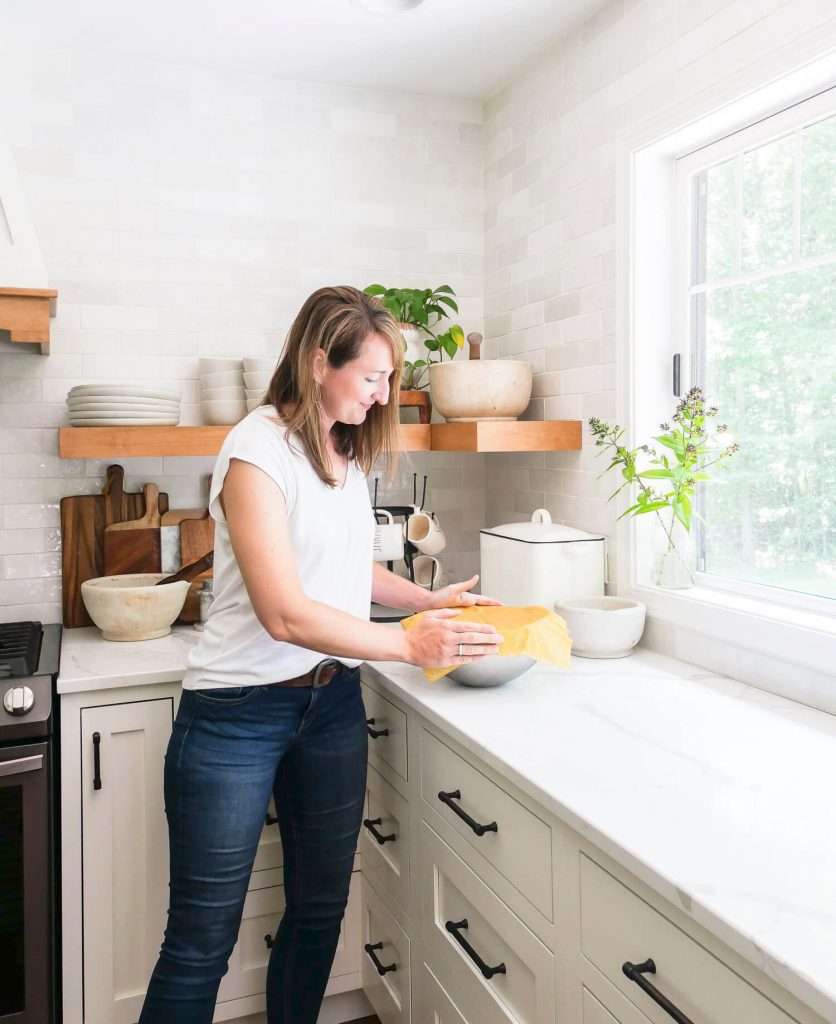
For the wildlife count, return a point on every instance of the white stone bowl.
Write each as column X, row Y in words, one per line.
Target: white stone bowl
column 217, row 412
column 218, row 364
column 603, row 627
column 131, row 607
column 235, row 391
column 224, row 379
column 257, row 380
column 254, row 364
column 464, row 390
column 492, row 670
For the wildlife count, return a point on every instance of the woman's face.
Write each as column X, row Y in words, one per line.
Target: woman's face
column 350, row 391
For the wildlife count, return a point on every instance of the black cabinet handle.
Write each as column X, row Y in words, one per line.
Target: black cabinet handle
column 270, row 819
column 374, row 733
column 480, row 830
column 636, row 972
column 97, row 761
column 455, row 928
column 677, row 384
column 268, row 941
column 381, row 968
column 370, row 825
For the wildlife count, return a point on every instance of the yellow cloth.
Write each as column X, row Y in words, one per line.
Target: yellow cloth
column 531, row 630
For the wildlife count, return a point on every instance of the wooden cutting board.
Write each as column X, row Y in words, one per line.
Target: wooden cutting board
column 134, row 546
column 83, row 521
column 197, row 537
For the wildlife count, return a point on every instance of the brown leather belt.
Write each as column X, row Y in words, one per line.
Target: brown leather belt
column 319, row 675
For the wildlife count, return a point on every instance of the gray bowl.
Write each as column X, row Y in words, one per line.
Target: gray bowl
column 494, row 670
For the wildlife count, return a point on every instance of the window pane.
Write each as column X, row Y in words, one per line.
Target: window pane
column 715, row 202
column 768, row 178
column 770, row 365
column 818, row 189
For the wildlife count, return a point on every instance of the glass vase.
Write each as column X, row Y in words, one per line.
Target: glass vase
column 674, row 557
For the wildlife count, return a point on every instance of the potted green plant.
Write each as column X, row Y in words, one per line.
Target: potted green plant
column 419, row 311
column 674, row 474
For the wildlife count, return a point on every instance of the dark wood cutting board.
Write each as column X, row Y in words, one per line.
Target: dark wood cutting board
column 83, row 521
column 134, row 546
column 197, row 537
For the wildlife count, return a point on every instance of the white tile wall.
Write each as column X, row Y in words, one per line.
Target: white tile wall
column 550, row 217
column 184, row 211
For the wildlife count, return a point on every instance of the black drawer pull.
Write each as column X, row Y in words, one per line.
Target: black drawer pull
column 374, row 733
column 635, row 972
column 270, row 819
column 480, row 830
column 97, row 761
column 454, row 928
column 381, row 968
column 268, row 941
column 370, row 825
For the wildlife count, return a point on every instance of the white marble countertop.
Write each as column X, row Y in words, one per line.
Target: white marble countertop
column 716, row 794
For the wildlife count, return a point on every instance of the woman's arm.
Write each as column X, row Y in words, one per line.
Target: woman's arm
column 256, row 516
column 397, row 592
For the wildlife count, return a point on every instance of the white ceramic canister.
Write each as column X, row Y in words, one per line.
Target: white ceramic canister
column 540, row 562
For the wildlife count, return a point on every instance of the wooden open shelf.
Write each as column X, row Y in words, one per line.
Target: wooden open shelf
column 507, row 436
column 483, row 436
column 131, row 442
column 25, row 314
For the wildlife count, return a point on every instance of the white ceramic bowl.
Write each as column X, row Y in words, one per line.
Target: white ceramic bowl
column 221, row 379
column 257, row 380
column 493, row 670
column 603, row 627
column 219, row 394
column 218, row 364
column 464, row 390
column 218, row 412
column 252, row 364
column 131, row 607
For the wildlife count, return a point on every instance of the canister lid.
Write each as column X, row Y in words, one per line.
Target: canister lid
column 541, row 530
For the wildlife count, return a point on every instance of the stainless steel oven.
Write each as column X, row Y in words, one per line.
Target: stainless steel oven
column 29, row 824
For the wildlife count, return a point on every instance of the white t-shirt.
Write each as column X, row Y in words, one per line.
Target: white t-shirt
column 332, row 530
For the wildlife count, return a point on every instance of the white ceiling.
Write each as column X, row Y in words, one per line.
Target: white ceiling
column 468, row 48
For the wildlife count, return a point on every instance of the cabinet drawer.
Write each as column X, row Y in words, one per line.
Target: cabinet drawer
column 389, row 748
column 456, row 902
column 617, row 926
column 594, row 1012
column 520, row 847
column 384, row 839
column 390, row 992
column 437, row 1007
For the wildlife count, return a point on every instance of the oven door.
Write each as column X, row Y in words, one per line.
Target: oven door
column 26, row 932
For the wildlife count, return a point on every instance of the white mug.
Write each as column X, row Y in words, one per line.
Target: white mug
column 428, row 571
column 388, row 539
column 424, row 532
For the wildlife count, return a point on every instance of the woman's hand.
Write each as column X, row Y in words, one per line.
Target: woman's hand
column 438, row 639
column 455, row 595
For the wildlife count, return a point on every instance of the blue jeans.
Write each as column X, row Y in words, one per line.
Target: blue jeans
column 229, row 750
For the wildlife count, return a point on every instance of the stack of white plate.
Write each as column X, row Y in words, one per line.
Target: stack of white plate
column 123, row 405
column 257, row 376
column 221, row 390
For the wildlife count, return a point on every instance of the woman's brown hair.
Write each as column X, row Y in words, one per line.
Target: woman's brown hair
column 337, row 319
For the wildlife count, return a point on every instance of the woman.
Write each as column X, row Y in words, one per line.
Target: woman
column 271, row 700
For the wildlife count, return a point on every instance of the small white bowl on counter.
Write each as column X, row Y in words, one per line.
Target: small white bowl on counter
column 603, row 627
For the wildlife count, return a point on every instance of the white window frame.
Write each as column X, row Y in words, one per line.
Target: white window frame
column 652, row 303
column 796, row 116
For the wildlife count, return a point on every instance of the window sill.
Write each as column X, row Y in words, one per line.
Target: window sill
column 793, row 635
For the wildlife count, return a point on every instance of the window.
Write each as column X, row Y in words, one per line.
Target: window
column 759, row 283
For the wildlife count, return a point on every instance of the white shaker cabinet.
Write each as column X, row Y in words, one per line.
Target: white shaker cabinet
column 491, row 910
column 115, row 869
